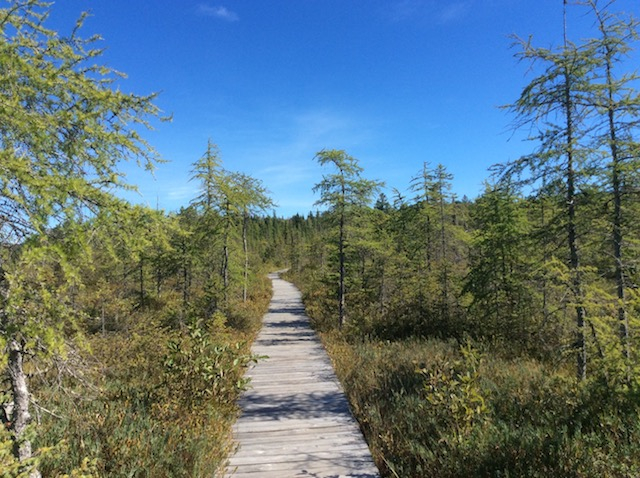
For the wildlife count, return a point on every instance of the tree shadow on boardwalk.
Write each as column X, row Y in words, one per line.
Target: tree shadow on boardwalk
column 289, row 310
column 300, row 405
column 305, row 474
column 279, row 332
column 297, row 326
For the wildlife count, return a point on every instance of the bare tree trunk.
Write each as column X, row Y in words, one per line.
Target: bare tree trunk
column 225, row 259
column 341, row 286
column 574, row 256
column 616, row 181
column 225, row 272
column 617, row 243
column 246, row 257
column 21, row 416
column 428, row 238
column 443, row 246
column 545, row 257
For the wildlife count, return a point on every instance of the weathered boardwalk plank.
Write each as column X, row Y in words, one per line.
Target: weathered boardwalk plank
column 295, row 418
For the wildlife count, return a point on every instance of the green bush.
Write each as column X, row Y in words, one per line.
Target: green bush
column 434, row 408
column 162, row 405
column 199, row 370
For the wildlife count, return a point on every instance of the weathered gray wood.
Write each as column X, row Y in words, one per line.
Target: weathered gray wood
column 295, row 418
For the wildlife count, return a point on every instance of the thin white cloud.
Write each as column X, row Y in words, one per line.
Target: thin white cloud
column 290, row 161
column 218, row 11
column 429, row 10
column 404, row 9
column 284, row 158
column 454, row 12
column 181, row 192
column 285, row 172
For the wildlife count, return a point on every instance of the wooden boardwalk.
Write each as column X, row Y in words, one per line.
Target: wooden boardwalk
column 295, row 418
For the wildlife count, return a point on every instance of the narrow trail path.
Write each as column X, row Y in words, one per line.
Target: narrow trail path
column 295, row 418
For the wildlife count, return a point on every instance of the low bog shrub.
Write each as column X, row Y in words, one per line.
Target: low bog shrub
column 434, row 408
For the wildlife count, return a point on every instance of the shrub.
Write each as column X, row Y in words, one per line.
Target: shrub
column 435, row 408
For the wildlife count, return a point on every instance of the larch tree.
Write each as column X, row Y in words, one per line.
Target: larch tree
column 63, row 133
column 431, row 187
column 555, row 107
column 343, row 192
column 422, row 185
column 208, row 172
column 229, row 198
column 618, row 104
column 441, row 188
column 253, row 198
column 498, row 279
column 210, row 204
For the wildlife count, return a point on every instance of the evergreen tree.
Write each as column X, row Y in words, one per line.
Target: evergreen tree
column 618, row 104
column 556, row 104
column 209, row 174
column 382, row 203
column 498, row 278
column 252, row 198
column 423, row 185
column 441, row 188
column 217, row 216
column 343, row 192
column 227, row 200
column 63, row 132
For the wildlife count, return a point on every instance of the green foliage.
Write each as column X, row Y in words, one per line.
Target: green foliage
column 209, row 173
column 87, row 469
column 467, row 413
column 226, row 203
column 152, row 399
column 37, row 309
column 344, row 189
column 453, row 393
column 346, row 195
column 500, row 268
column 64, row 128
column 64, row 132
column 198, row 370
column 155, row 397
column 164, row 408
column 134, row 325
column 10, row 466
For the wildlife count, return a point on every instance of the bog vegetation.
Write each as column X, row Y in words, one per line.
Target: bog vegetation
column 493, row 337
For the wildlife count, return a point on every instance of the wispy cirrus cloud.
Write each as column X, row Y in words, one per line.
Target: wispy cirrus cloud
column 282, row 152
column 454, row 11
column 403, row 9
column 441, row 12
column 218, row 11
column 303, row 134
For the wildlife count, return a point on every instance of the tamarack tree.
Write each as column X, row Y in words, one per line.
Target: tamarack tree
column 584, row 115
column 343, row 192
column 228, row 198
column 616, row 125
column 63, row 133
column 555, row 106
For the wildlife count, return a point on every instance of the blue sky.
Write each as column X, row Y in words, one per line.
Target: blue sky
column 271, row 82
